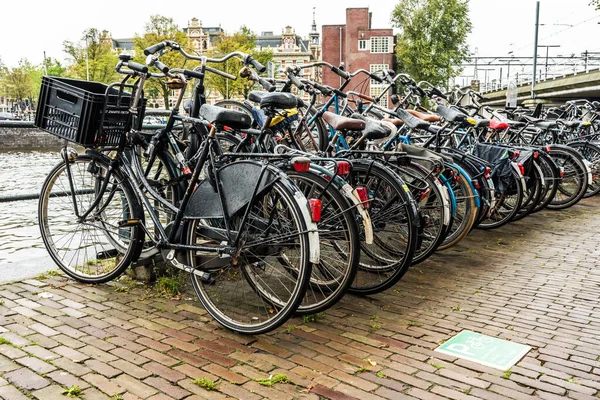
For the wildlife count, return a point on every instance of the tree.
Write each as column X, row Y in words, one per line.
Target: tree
column 93, row 53
column 22, row 82
column 243, row 40
column 595, row 3
column 53, row 67
column 432, row 43
column 159, row 29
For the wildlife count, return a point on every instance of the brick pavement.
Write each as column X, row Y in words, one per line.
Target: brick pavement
column 535, row 282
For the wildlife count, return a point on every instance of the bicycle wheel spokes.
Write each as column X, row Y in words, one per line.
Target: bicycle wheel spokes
column 97, row 248
column 256, row 289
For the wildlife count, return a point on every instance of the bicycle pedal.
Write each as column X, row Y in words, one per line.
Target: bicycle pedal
column 128, row 222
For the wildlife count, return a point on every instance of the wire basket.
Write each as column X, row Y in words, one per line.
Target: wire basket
column 84, row 112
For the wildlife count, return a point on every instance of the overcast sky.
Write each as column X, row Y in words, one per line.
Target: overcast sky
column 29, row 28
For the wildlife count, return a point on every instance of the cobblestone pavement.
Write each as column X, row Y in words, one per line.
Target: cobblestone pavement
column 536, row 282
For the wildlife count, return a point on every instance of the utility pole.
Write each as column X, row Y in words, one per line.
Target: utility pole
column 547, row 46
column 535, row 46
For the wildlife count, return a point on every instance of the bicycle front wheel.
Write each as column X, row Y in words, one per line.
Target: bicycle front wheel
column 257, row 289
column 97, row 248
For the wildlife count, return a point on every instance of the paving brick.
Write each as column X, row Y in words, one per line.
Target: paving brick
column 134, row 386
column 104, row 384
column 36, row 365
column 66, row 379
column 25, row 378
column 11, row 393
column 167, row 387
column 102, row 368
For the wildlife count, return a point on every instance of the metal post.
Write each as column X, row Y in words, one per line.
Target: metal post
column 87, row 56
column 535, row 46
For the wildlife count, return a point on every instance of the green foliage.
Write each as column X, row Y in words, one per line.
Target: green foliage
column 159, row 29
column 273, row 379
column 290, row 328
column 22, row 82
column 73, row 391
column 361, row 370
column 168, row 287
column 205, row 383
column 381, row 375
column 432, row 41
column 93, row 53
column 4, row 341
column 117, row 397
column 506, row 374
column 243, row 40
column 313, row 317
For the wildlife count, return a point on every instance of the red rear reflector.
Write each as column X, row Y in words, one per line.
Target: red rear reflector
column 516, row 155
column 521, row 168
column 424, row 194
column 315, row 209
column 363, row 195
column 343, row 168
column 187, row 171
column 301, row 164
column 536, row 154
column 562, row 172
column 548, row 149
column 476, row 184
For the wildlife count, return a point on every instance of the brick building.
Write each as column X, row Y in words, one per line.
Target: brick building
column 358, row 46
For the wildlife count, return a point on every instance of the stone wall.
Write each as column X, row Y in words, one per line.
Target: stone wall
column 25, row 136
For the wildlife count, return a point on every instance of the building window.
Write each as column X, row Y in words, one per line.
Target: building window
column 363, row 44
column 381, row 44
column 376, row 88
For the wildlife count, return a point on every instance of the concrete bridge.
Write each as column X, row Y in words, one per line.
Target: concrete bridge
column 583, row 85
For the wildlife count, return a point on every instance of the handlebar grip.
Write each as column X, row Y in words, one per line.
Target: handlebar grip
column 325, row 91
column 137, row 67
column 266, row 85
column 340, row 73
column 162, row 67
column 154, row 48
column 340, row 93
column 258, row 66
column 296, row 81
column 376, row 78
column 192, row 74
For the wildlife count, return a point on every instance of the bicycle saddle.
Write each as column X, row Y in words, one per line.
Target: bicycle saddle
column 373, row 129
column 411, row 121
column 223, row 116
column 539, row 123
column 450, row 114
column 276, row 99
column 339, row 122
column 424, row 116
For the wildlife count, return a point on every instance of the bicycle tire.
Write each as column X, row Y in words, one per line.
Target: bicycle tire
column 591, row 153
column 395, row 222
column 97, row 249
column 340, row 248
column 573, row 184
column 236, row 295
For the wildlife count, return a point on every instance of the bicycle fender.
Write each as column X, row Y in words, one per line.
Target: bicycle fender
column 445, row 201
column 239, row 183
column 521, row 177
column 311, row 227
column 348, row 192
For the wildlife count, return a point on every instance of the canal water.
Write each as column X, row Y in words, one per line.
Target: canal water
column 22, row 252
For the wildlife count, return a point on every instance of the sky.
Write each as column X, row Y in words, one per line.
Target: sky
column 499, row 26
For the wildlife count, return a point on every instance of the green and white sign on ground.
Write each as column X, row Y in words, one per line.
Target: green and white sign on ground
column 485, row 350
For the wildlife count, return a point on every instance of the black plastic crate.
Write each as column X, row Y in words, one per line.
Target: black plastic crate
column 75, row 110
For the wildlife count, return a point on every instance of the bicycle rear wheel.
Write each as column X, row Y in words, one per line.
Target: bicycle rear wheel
column 340, row 248
column 395, row 221
column 96, row 249
column 257, row 289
